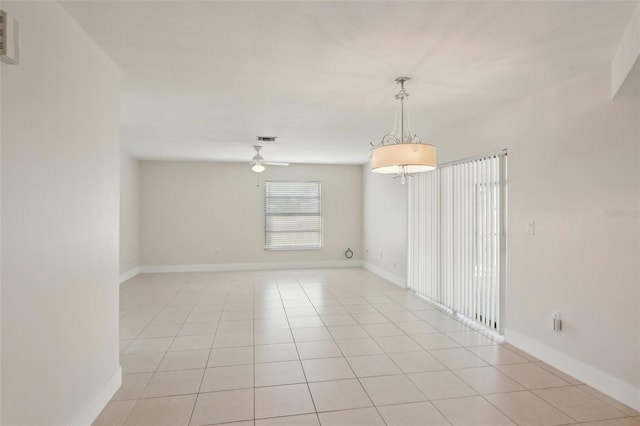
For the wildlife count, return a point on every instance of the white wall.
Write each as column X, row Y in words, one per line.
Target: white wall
column 59, row 167
column 190, row 209
column 573, row 169
column 384, row 225
column 129, row 215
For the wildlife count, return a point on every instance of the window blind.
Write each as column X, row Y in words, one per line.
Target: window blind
column 292, row 215
column 457, row 237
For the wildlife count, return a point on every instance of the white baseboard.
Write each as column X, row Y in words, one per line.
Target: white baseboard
column 125, row 276
column 99, row 400
column 215, row 267
column 397, row 280
column 598, row 379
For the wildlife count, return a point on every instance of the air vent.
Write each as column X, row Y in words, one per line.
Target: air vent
column 266, row 138
column 3, row 32
column 8, row 39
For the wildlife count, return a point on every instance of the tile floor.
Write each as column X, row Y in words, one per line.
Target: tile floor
column 324, row 347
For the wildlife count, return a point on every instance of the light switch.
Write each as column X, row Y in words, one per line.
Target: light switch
column 531, row 228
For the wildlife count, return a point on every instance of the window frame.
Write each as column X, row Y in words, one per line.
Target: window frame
column 320, row 231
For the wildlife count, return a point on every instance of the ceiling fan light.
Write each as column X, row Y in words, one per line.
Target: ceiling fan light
column 258, row 168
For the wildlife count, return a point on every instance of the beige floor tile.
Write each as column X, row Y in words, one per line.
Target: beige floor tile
column 348, row 332
column 327, row 369
column 527, row 409
column 320, row 349
column 233, row 340
column 414, row 414
column 191, row 343
column 448, row 325
column 301, row 311
column 237, row 326
column 564, row 376
column 130, row 333
column 441, row 384
column 373, row 365
column 401, row 316
column 311, row 334
column 361, row 309
column 271, row 324
column 416, row 362
column 431, row 341
column 279, row 401
column 123, row 343
column 302, row 420
column 168, row 383
column 391, row 344
column 626, row 421
column 157, row 344
column 227, row 378
column 386, row 390
column 195, row 317
column 457, row 358
column 471, row 411
column 497, row 355
column 279, row 373
column 337, row 320
column 488, row 380
column 330, row 310
column 275, row 353
column 339, row 395
column 370, row 318
column 520, row 352
column 354, row 347
column 616, row 404
column 167, row 411
column 223, row 407
column 431, row 315
column 184, row 360
column 382, row 330
column 270, row 337
column 357, row 417
column 160, row 331
column 470, row 338
column 531, row 376
column 207, row 307
column 416, row 327
column 132, row 386
column 578, row 404
column 198, row 329
column 140, row 362
column 115, row 413
column 231, row 356
column 305, row 322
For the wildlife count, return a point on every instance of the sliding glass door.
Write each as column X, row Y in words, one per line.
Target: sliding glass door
column 457, row 237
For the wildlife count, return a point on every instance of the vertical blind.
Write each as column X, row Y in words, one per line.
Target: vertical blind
column 457, row 230
column 292, row 215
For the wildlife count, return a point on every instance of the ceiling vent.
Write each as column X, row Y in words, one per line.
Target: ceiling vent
column 266, row 138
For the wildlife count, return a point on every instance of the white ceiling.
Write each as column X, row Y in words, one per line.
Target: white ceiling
column 201, row 79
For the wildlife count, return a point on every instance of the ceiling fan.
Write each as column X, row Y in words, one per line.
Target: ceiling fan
column 259, row 163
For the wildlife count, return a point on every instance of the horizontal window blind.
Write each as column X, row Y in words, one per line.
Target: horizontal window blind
column 292, row 215
column 457, row 237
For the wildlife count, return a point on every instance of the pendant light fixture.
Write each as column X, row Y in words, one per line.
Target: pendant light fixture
column 401, row 152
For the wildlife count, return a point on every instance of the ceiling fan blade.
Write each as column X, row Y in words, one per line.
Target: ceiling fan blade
column 268, row 163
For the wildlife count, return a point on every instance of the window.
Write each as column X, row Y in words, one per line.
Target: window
column 292, row 215
column 457, row 237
